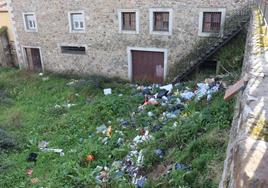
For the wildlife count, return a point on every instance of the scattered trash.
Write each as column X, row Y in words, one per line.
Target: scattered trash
column 120, row 95
column 101, row 129
column 162, row 93
column 150, row 101
column 109, row 131
column 175, row 125
column 180, row 166
column 41, row 74
column 157, row 128
column 140, row 182
column 117, row 164
column 142, row 131
column 105, row 140
column 34, row 180
column 72, row 82
column 171, row 104
column 120, row 141
column 45, row 78
column 119, row 174
column 146, row 91
column 168, row 88
column 107, row 91
column 103, row 176
column 124, row 122
column 68, row 105
column 29, row 172
column 150, row 114
column 32, row 157
column 90, row 157
column 43, row 144
column 187, row 95
column 59, row 151
column 234, row 89
column 159, row 153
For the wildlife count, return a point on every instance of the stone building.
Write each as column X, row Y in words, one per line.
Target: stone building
column 134, row 40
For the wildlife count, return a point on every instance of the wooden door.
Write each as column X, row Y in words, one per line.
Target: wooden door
column 34, row 59
column 148, row 66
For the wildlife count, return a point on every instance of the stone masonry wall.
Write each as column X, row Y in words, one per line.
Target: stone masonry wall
column 247, row 153
column 106, row 47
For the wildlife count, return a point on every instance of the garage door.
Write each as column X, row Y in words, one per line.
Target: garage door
column 147, row 66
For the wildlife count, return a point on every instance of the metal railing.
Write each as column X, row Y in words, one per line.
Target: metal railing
column 263, row 6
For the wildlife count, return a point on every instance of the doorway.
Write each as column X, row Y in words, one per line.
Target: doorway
column 33, row 59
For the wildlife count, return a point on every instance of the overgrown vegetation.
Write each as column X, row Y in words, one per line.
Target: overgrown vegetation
column 232, row 55
column 29, row 114
column 229, row 58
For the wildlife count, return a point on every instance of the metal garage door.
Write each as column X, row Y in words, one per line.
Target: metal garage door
column 148, row 66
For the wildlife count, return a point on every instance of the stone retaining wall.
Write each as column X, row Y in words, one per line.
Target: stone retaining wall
column 247, row 153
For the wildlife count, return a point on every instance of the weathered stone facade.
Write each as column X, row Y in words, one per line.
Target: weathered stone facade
column 106, row 51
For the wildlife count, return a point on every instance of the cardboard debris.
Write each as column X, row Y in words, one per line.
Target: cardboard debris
column 234, row 89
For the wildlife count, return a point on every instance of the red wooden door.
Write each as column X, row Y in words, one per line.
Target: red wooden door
column 148, row 66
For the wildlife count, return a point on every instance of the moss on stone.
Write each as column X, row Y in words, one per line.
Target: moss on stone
column 259, row 130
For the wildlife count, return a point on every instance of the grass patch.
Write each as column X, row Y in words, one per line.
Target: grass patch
column 41, row 110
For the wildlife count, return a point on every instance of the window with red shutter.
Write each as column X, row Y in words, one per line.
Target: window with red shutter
column 212, row 22
column 161, row 21
column 129, row 21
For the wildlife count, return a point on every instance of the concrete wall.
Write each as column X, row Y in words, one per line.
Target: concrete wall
column 106, row 47
column 247, row 153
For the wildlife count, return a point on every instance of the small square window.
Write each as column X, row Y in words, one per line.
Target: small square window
column 77, row 21
column 129, row 21
column 30, row 22
column 161, row 21
column 212, row 22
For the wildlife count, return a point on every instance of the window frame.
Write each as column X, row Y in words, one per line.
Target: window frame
column 60, row 45
column 201, row 33
column 25, row 21
column 71, row 28
column 120, row 20
column 152, row 11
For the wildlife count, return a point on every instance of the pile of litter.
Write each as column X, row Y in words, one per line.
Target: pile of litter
column 168, row 97
column 171, row 99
